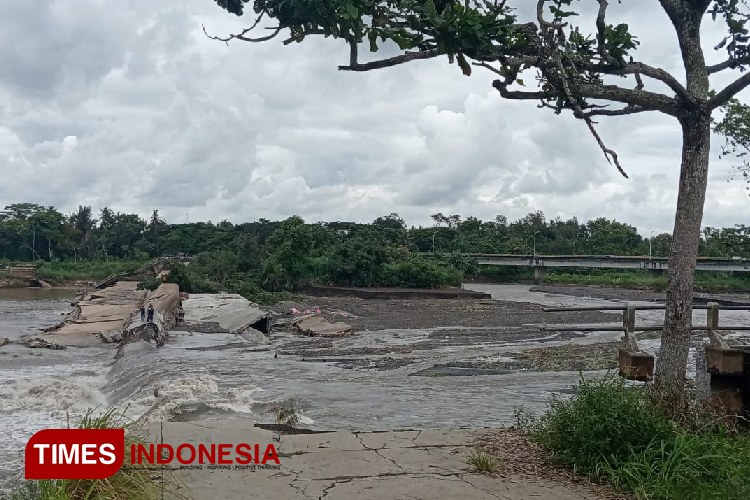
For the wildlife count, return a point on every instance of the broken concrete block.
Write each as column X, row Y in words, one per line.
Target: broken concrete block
column 636, row 365
column 722, row 361
column 318, row 326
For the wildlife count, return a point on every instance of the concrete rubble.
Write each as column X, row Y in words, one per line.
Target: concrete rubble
column 312, row 321
column 37, row 343
column 319, row 326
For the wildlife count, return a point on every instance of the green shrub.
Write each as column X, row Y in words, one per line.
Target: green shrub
column 89, row 270
column 418, row 272
column 149, row 284
column 604, row 420
column 618, row 434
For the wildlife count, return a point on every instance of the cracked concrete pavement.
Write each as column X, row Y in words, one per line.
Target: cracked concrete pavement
column 398, row 464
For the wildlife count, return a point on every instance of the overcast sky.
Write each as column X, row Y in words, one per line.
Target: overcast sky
column 128, row 105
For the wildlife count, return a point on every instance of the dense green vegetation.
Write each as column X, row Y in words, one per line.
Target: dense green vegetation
column 259, row 257
column 618, row 434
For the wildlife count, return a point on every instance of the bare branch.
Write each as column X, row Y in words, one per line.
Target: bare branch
column 634, row 97
column 392, row 61
column 300, row 38
column 729, row 91
column 627, row 110
column 655, row 73
column 600, row 29
column 609, row 154
column 242, row 35
column 522, row 95
column 729, row 63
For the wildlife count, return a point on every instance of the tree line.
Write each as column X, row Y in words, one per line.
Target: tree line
column 282, row 255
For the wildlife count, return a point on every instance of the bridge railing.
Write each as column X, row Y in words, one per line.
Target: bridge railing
column 635, row 364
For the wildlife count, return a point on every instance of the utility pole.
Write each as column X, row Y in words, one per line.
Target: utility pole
column 433, row 241
column 649, row 245
column 535, row 233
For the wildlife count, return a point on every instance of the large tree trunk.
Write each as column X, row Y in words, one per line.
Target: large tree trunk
column 673, row 356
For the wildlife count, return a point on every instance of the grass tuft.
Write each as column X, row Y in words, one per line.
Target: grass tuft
column 482, row 461
column 131, row 482
column 288, row 413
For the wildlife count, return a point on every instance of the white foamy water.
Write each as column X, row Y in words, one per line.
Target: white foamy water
column 42, row 397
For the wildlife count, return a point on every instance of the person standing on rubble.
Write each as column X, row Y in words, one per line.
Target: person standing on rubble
column 150, row 313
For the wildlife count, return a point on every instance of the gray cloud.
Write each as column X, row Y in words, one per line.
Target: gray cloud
column 129, row 105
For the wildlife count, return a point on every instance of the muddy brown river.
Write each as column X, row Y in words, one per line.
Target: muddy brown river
column 410, row 364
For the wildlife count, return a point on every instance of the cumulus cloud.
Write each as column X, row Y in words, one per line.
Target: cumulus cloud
column 129, row 105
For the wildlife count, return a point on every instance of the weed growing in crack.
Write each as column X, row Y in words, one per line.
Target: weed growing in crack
column 483, row 461
column 288, row 413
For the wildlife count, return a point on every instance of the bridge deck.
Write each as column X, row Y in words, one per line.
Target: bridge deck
column 607, row 262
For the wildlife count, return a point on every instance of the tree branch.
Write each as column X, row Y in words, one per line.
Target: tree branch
column 729, row 63
column 522, row 95
column 655, row 73
column 609, row 154
column 627, row 110
column 242, row 35
column 633, row 97
column 729, row 91
column 392, row 61
column 600, row 29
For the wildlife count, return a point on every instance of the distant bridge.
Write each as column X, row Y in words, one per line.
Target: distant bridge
column 540, row 263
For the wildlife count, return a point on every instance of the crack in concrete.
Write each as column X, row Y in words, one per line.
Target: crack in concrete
column 377, row 452
column 301, row 490
column 462, row 478
column 414, row 439
column 349, row 479
column 332, row 486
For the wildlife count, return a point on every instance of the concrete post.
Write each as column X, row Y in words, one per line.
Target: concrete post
column 539, row 273
column 712, row 323
column 634, row 364
column 628, row 323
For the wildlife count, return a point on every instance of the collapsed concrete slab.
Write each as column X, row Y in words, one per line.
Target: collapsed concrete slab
column 97, row 316
column 224, row 313
column 167, row 308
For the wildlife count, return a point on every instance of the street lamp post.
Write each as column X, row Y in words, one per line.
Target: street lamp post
column 535, row 233
column 649, row 245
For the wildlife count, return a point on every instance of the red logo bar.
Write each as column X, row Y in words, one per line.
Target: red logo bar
column 74, row 453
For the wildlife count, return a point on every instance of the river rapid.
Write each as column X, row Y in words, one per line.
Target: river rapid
column 203, row 376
